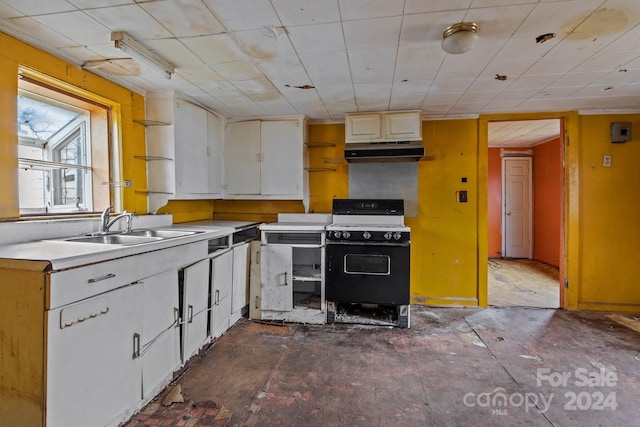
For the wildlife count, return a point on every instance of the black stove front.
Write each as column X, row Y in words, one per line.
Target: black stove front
column 368, row 263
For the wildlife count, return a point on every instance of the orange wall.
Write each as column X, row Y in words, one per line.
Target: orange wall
column 494, row 203
column 547, row 202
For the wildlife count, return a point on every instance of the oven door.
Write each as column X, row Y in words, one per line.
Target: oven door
column 370, row 273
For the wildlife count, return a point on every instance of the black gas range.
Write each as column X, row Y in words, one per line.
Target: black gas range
column 368, row 254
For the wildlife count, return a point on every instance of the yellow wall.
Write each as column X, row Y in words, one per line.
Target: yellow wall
column 601, row 209
column 609, row 223
column 126, row 105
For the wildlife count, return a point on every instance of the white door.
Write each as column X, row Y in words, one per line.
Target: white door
column 195, row 307
column 92, row 375
column 160, row 335
column 242, row 158
column 517, row 219
column 281, row 168
column 221, row 284
column 276, row 278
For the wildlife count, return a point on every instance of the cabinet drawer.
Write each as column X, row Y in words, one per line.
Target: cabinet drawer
column 64, row 287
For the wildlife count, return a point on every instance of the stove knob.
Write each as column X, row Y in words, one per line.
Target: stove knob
column 346, row 234
column 366, row 235
column 337, row 234
column 397, row 236
column 387, row 236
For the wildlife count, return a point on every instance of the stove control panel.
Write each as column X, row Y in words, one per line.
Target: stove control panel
column 369, row 236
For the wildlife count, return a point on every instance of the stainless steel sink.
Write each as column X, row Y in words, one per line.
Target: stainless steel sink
column 114, row 239
column 163, row 234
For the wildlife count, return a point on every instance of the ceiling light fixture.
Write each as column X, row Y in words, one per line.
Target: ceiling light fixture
column 124, row 42
column 460, row 38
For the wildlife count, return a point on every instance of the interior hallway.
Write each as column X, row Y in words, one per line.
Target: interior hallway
column 524, row 283
column 436, row 373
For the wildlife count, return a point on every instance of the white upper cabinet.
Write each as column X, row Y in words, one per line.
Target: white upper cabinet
column 383, row 127
column 184, row 150
column 363, row 127
column 266, row 159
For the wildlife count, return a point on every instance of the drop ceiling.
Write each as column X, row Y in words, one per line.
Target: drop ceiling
column 523, row 133
column 324, row 58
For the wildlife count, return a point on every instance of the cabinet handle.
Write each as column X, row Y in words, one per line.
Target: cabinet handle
column 256, row 301
column 190, row 311
column 217, row 299
column 136, row 345
column 285, row 279
column 101, row 278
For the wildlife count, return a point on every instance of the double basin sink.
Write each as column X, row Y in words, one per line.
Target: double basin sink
column 134, row 237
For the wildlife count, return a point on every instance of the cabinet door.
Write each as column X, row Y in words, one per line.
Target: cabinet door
column 191, row 156
column 221, row 285
column 403, row 126
column 276, row 278
column 282, row 163
column 242, row 156
column 92, row 375
column 195, row 307
column 160, row 335
column 363, row 127
column 215, row 136
column 240, row 277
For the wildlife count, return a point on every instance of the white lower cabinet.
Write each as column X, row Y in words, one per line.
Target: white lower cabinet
column 93, row 376
column 159, row 338
column 291, row 286
column 221, row 288
column 195, row 291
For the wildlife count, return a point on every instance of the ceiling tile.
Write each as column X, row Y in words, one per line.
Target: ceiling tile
column 92, row 4
column 317, row 38
column 305, row 12
column 421, row 6
column 239, row 15
column 131, row 19
column 184, row 18
column 415, row 63
column 173, row 51
column 31, row 30
column 235, row 71
column 372, row 33
column 9, row 12
column 214, row 49
column 427, row 27
column 372, row 66
column 76, row 26
column 560, row 18
column 327, row 68
column 367, row 9
column 499, row 22
column 39, row 7
column 198, row 73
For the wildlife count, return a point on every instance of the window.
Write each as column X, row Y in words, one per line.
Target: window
column 63, row 151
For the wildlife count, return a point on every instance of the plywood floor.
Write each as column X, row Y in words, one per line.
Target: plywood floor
column 523, row 282
column 454, row 367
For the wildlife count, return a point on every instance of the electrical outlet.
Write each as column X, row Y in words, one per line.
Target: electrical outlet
column 606, row 160
column 462, row 196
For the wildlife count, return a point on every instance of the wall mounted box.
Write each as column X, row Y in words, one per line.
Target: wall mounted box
column 620, row 132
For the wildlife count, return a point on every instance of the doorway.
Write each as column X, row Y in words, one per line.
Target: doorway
column 525, row 211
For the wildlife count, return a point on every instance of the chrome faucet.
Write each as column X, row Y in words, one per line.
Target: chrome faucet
column 106, row 221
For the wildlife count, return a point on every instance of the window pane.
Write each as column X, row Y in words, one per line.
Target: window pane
column 41, row 120
column 32, row 182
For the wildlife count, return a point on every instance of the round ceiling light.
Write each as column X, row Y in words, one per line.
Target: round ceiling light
column 460, row 37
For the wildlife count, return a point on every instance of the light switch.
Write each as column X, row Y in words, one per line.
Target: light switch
column 606, row 160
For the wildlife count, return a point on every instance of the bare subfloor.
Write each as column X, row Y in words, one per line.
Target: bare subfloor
column 454, row 367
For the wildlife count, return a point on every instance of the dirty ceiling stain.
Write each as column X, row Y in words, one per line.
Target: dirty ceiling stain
column 601, row 22
column 302, row 86
column 259, row 54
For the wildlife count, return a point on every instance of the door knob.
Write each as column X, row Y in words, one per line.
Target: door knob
column 508, row 213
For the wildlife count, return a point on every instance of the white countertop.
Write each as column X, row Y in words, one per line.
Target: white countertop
column 63, row 254
column 293, row 226
column 237, row 225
